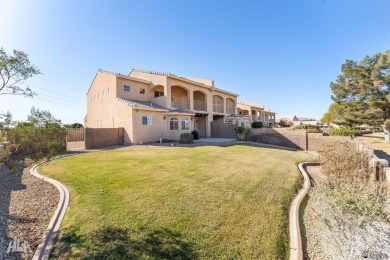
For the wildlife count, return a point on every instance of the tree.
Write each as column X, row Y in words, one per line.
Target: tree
column 5, row 123
column 362, row 92
column 74, row 125
column 14, row 70
column 41, row 136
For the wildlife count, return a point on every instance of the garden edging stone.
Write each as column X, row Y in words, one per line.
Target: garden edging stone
column 49, row 236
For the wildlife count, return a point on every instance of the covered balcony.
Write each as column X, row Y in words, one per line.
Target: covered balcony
column 179, row 97
column 230, row 106
column 200, row 101
column 218, row 106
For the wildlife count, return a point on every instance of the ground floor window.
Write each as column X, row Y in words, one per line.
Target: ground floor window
column 173, row 124
column 185, row 124
column 147, row 120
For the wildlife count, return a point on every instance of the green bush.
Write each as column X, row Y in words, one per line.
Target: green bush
column 257, row 124
column 186, row 138
column 342, row 132
column 313, row 130
column 38, row 142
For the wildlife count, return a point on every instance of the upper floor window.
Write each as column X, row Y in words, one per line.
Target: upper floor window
column 126, row 88
column 185, row 124
column 147, row 120
column 173, row 124
column 158, row 93
column 142, row 91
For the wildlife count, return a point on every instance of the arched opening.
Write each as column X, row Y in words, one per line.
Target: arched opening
column 158, row 91
column 230, row 106
column 218, row 104
column 200, row 101
column 179, row 97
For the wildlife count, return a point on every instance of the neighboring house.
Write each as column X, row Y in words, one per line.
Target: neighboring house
column 299, row 121
column 151, row 105
column 255, row 112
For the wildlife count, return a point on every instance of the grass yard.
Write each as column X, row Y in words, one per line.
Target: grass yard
column 376, row 141
column 203, row 202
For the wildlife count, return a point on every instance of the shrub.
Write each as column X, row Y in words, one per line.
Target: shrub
column 38, row 142
column 342, row 132
column 186, row 138
column 342, row 162
column 257, row 124
column 313, row 130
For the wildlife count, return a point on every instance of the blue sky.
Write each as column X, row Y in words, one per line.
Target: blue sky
column 282, row 54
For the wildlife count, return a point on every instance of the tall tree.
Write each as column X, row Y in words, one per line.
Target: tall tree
column 362, row 90
column 14, row 70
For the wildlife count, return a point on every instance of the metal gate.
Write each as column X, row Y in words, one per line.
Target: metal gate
column 75, row 140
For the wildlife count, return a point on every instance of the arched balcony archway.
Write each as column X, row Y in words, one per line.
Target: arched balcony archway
column 200, row 102
column 218, row 106
column 230, row 106
column 179, row 97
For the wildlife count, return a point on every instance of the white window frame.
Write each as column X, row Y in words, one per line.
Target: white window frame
column 126, row 87
column 185, row 124
column 173, row 120
column 149, row 120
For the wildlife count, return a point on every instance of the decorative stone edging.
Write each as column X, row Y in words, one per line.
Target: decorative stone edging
column 296, row 251
column 44, row 248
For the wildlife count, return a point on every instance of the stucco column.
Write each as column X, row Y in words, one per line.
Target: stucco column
column 191, row 99
column 167, row 93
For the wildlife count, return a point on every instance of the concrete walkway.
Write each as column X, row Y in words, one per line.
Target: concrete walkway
column 214, row 140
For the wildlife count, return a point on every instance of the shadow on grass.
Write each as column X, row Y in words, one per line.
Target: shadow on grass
column 120, row 243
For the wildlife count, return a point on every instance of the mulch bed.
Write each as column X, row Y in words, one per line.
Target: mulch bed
column 26, row 206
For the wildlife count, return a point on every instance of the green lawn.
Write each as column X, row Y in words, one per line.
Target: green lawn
column 178, row 203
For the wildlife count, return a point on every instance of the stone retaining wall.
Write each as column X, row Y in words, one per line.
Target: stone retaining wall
column 222, row 130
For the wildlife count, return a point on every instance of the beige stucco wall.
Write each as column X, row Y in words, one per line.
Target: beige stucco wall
column 135, row 88
column 101, row 101
column 159, row 128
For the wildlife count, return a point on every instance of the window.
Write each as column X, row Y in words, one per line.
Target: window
column 185, row 124
column 158, row 94
column 142, row 91
column 242, row 124
column 173, row 124
column 126, row 88
column 147, row 120
column 108, row 90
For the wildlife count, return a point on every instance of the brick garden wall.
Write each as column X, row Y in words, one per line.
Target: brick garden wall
column 316, row 141
column 297, row 138
column 222, row 130
column 103, row 137
column 279, row 136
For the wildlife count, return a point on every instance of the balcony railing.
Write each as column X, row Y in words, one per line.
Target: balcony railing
column 230, row 110
column 180, row 102
column 200, row 105
column 218, row 108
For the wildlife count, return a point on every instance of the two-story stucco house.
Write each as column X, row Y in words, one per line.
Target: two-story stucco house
column 151, row 105
column 256, row 112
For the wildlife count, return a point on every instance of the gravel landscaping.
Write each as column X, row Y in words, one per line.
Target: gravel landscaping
column 329, row 235
column 26, row 206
